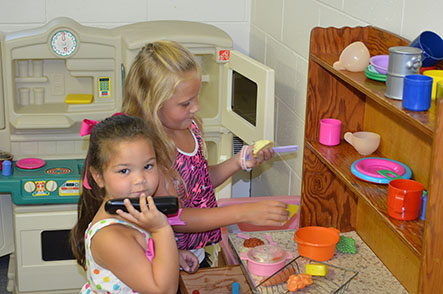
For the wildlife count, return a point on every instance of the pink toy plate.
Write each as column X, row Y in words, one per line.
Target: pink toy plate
column 380, row 170
column 371, row 166
column 30, row 163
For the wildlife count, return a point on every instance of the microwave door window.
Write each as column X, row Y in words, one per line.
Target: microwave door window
column 244, row 97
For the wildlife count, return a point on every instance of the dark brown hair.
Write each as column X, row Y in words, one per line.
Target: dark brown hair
column 104, row 137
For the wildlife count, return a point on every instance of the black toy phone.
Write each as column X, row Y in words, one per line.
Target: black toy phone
column 165, row 204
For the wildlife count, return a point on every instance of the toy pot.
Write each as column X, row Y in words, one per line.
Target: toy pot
column 265, row 260
column 317, row 243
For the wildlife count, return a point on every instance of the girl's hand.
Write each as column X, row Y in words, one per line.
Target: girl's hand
column 149, row 218
column 266, row 213
column 262, row 155
column 188, row 261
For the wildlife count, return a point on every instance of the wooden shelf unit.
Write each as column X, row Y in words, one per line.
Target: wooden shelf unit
column 332, row 196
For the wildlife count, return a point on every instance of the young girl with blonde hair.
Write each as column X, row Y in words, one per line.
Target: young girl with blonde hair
column 162, row 87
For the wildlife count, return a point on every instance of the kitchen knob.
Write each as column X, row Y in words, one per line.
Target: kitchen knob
column 29, row 187
column 51, row 186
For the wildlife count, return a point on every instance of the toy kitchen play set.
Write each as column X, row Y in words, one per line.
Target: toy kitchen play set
column 56, row 75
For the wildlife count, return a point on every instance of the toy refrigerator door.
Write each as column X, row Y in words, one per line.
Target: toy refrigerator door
column 248, row 98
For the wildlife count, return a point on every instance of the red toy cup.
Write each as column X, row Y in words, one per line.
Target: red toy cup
column 404, row 199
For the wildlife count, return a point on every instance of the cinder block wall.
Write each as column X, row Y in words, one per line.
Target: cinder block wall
column 280, row 31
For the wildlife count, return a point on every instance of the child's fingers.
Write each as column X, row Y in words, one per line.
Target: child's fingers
column 143, row 205
column 275, row 203
column 126, row 215
column 131, row 210
column 280, row 212
column 265, row 154
column 151, row 203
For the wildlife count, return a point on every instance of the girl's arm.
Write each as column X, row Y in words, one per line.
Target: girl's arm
column 264, row 213
column 118, row 249
column 221, row 172
column 122, row 250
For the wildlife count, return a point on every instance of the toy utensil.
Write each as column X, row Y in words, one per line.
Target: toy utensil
column 270, row 240
column 284, row 149
column 261, row 144
column 389, row 174
column 243, row 236
column 235, row 288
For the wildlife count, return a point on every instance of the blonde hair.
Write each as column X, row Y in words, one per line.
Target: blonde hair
column 152, row 79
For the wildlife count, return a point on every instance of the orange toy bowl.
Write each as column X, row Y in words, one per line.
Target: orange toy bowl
column 317, row 243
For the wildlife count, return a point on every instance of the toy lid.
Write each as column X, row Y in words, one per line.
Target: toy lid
column 267, row 254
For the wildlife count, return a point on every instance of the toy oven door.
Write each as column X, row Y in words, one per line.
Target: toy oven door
column 43, row 257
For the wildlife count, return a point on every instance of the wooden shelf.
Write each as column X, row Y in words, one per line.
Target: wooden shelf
column 424, row 121
column 339, row 160
column 333, row 197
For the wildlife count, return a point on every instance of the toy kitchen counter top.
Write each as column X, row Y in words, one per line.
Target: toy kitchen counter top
column 38, row 181
column 372, row 277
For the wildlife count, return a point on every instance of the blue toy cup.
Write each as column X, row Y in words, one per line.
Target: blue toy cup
column 417, row 91
column 432, row 46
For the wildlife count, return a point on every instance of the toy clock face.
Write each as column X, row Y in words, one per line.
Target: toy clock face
column 63, row 43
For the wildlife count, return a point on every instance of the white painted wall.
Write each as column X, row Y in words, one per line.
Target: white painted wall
column 275, row 32
column 280, row 31
column 233, row 16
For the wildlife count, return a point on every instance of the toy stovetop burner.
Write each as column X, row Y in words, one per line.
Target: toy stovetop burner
column 36, row 181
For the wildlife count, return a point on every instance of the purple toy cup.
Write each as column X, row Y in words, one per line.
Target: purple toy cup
column 330, row 130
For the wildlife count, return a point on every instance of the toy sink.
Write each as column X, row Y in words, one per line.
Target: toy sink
column 292, row 224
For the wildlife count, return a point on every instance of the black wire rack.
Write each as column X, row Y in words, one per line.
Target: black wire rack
column 336, row 280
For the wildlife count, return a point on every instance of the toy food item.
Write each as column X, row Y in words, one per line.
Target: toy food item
column 346, row 245
column 300, row 281
column 279, row 278
column 253, row 242
column 260, row 144
column 316, row 269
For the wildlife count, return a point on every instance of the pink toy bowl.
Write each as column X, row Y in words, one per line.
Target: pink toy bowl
column 265, row 260
column 371, row 167
column 380, row 63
